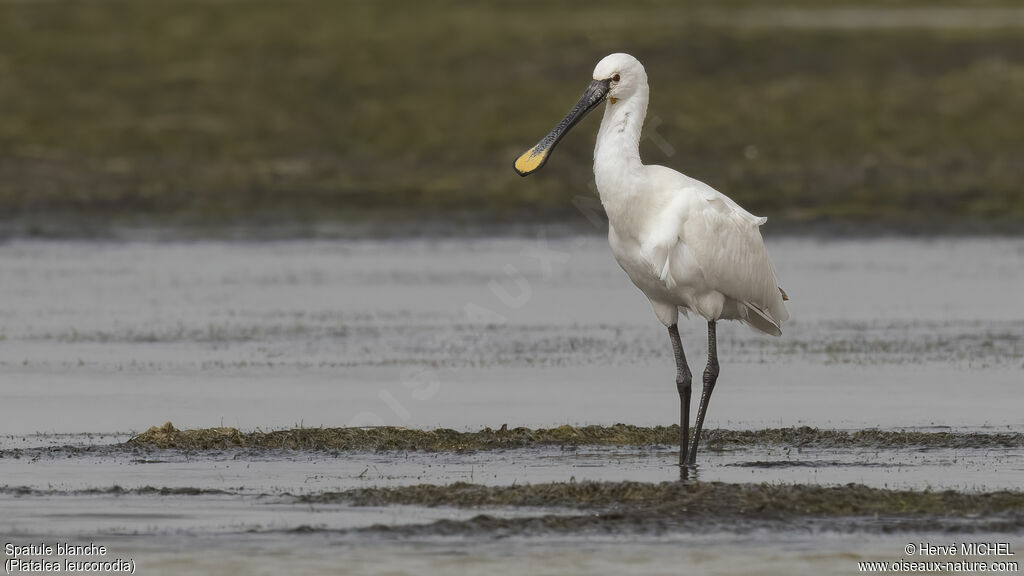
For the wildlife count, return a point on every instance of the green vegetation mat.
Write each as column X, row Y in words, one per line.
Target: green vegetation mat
column 625, row 507
column 316, row 111
column 618, row 507
column 385, row 438
column 703, row 498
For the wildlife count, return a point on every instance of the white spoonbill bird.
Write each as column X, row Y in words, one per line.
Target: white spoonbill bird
column 685, row 245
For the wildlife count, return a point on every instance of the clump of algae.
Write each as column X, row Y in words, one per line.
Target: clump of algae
column 388, row 438
column 806, row 436
column 398, row 438
column 167, row 436
column 715, row 499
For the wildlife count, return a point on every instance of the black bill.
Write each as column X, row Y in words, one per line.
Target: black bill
column 534, row 158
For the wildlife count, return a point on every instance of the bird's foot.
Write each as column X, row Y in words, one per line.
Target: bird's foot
column 687, row 472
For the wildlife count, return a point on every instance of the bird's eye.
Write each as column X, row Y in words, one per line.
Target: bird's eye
column 615, row 78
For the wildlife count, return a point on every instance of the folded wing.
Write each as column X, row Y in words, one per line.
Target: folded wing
column 724, row 241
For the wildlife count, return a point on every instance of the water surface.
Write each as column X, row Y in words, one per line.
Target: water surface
column 100, row 340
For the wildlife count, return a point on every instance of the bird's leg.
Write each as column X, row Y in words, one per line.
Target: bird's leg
column 710, row 377
column 683, row 380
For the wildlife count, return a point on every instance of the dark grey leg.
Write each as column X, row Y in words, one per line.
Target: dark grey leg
column 683, row 380
column 710, row 377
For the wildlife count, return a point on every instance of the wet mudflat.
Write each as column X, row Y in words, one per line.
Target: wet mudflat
column 901, row 373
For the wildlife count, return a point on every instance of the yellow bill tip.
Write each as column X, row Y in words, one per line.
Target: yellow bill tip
column 530, row 161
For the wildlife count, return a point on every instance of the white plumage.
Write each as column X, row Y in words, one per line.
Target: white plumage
column 684, row 244
column 687, row 246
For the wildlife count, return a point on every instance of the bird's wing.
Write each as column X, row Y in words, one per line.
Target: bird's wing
column 724, row 241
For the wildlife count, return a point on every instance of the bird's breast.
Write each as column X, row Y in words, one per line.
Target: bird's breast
column 645, row 273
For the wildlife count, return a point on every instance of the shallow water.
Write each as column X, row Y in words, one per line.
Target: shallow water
column 118, row 337
column 107, row 338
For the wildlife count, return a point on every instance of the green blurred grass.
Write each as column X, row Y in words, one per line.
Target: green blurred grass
column 316, row 111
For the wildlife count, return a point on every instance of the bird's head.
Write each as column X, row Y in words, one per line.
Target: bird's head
column 625, row 75
column 616, row 77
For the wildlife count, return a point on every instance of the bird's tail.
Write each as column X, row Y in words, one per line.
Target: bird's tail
column 758, row 319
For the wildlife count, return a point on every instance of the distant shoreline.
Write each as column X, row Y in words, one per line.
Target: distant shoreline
column 158, row 229
column 343, row 119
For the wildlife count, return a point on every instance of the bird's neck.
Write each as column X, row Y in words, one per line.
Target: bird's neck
column 617, row 167
column 623, row 120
